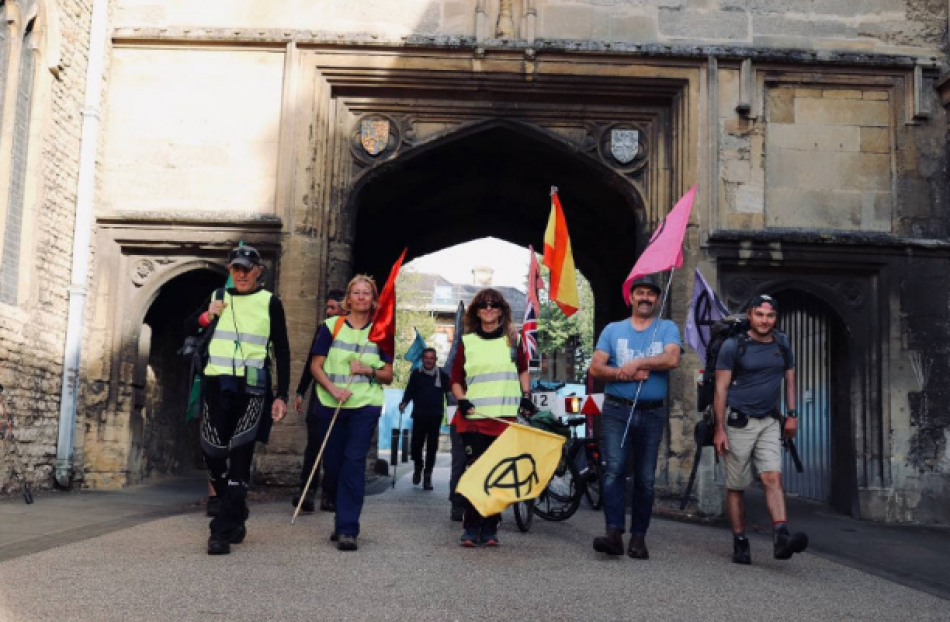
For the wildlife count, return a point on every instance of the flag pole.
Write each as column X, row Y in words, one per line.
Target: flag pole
column 656, row 327
column 326, row 438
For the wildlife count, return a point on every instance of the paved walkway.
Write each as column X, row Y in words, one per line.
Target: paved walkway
column 139, row 554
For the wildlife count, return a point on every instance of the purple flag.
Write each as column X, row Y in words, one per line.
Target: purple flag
column 704, row 309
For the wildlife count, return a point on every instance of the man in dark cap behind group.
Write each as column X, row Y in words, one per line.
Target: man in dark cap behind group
column 249, row 328
column 633, row 357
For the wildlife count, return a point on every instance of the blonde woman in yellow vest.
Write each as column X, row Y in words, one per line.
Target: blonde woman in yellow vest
column 349, row 370
column 249, row 329
column 490, row 381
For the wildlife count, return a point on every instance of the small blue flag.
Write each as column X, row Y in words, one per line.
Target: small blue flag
column 414, row 353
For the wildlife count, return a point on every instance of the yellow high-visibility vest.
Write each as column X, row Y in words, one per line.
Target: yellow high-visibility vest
column 491, row 376
column 345, row 348
column 241, row 335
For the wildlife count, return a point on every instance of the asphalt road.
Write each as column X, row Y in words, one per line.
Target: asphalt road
column 410, row 567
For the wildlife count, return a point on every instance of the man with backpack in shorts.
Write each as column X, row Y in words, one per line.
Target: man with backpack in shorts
column 749, row 373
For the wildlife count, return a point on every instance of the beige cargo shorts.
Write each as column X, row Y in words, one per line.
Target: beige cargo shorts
column 758, row 443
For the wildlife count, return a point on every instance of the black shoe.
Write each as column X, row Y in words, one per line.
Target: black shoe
column 740, row 551
column 458, row 512
column 218, row 545
column 214, row 505
column 417, row 476
column 307, row 505
column 327, row 506
column 346, row 543
column 427, row 482
column 787, row 545
column 237, row 535
column 611, row 544
column 638, row 548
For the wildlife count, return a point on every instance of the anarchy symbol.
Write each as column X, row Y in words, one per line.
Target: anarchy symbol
column 507, row 474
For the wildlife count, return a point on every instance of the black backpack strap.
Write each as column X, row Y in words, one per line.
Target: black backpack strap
column 785, row 347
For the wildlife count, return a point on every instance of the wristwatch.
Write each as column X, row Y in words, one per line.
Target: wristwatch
column 791, row 413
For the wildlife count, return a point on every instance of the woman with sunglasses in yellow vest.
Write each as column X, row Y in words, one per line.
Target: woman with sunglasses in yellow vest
column 343, row 356
column 490, row 381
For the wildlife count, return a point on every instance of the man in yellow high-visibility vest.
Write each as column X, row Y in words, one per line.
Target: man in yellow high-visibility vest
column 249, row 328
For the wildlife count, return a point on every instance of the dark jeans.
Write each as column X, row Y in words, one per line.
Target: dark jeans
column 458, row 467
column 475, row 445
column 425, row 431
column 345, row 463
column 643, row 444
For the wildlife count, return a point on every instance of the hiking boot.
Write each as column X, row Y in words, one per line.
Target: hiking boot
column 307, row 505
column 488, row 539
column 611, row 544
column 787, row 544
column 346, row 543
column 469, row 538
column 458, row 512
column 427, row 481
column 237, row 535
column 327, row 506
column 213, row 507
column 638, row 548
column 740, row 551
column 417, row 476
column 218, row 545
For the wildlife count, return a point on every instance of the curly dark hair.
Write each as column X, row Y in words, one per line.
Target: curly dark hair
column 472, row 321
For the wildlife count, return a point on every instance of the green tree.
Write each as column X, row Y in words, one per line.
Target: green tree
column 557, row 332
column 411, row 313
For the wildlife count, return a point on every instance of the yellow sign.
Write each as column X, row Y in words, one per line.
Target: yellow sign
column 517, row 466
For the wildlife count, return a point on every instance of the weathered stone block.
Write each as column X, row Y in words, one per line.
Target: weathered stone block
column 876, row 95
column 805, row 137
column 842, row 112
column 800, row 208
column 781, row 106
column 802, row 25
column 707, row 25
column 842, row 94
column 738, row 171
column 875, row 139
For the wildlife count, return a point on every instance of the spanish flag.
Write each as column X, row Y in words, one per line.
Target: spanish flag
column 517, row 466
column 560, row 260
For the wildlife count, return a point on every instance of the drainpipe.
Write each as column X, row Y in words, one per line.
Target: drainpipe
column 85, row 193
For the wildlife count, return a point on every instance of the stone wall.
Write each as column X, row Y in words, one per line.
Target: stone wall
column 32, row 332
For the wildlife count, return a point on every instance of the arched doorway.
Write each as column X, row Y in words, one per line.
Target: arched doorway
column 820, row 340
column 162, row 442
column 494, row 179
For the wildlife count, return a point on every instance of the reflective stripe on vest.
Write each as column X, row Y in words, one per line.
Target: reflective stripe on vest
column 491, row 377
column 241, row 335
column 344, row 349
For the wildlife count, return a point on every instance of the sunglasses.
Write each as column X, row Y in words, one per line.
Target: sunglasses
column 488, row 305
column 244, row 253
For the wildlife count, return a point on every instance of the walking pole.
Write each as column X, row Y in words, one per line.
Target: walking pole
column 659, row 318
column 316, row 462
column 396, row 465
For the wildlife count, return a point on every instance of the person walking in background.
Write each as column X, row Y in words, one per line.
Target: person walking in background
column 333, row 309
column 638, row 351
column 491, row 383
column 342, row 354
column 426, row 390
column 749, row 374
column 250, row 329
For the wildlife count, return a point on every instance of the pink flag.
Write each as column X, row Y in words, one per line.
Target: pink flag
column 665, row 249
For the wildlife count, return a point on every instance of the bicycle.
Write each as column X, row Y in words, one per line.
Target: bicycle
column 6, row 431
column 579, row 474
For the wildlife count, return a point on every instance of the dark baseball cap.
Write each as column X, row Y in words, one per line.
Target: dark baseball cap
column 246, row 256
column 763, row 299
column 646, row 281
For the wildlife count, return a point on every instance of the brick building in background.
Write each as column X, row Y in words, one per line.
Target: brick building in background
column 333, row 133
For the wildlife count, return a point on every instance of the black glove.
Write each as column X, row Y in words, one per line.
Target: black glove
column 527, row 407
column 465, row 407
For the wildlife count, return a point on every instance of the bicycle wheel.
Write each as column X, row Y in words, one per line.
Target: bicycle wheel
column 594, row 489
column 563, row 494
column 524, row 514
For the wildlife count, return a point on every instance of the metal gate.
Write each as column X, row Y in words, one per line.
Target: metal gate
column 807, row 323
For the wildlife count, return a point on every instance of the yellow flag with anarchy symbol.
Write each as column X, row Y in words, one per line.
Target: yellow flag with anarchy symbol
column 516, row 467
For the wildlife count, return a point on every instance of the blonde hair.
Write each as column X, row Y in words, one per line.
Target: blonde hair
column 359, row 278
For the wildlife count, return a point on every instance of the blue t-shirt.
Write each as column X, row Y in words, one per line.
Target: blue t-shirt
column 623, row 343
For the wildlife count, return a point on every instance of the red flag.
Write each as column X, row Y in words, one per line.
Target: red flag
column 559, row 258
column 665, row 250
column 529, row 327
column 383, row 332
